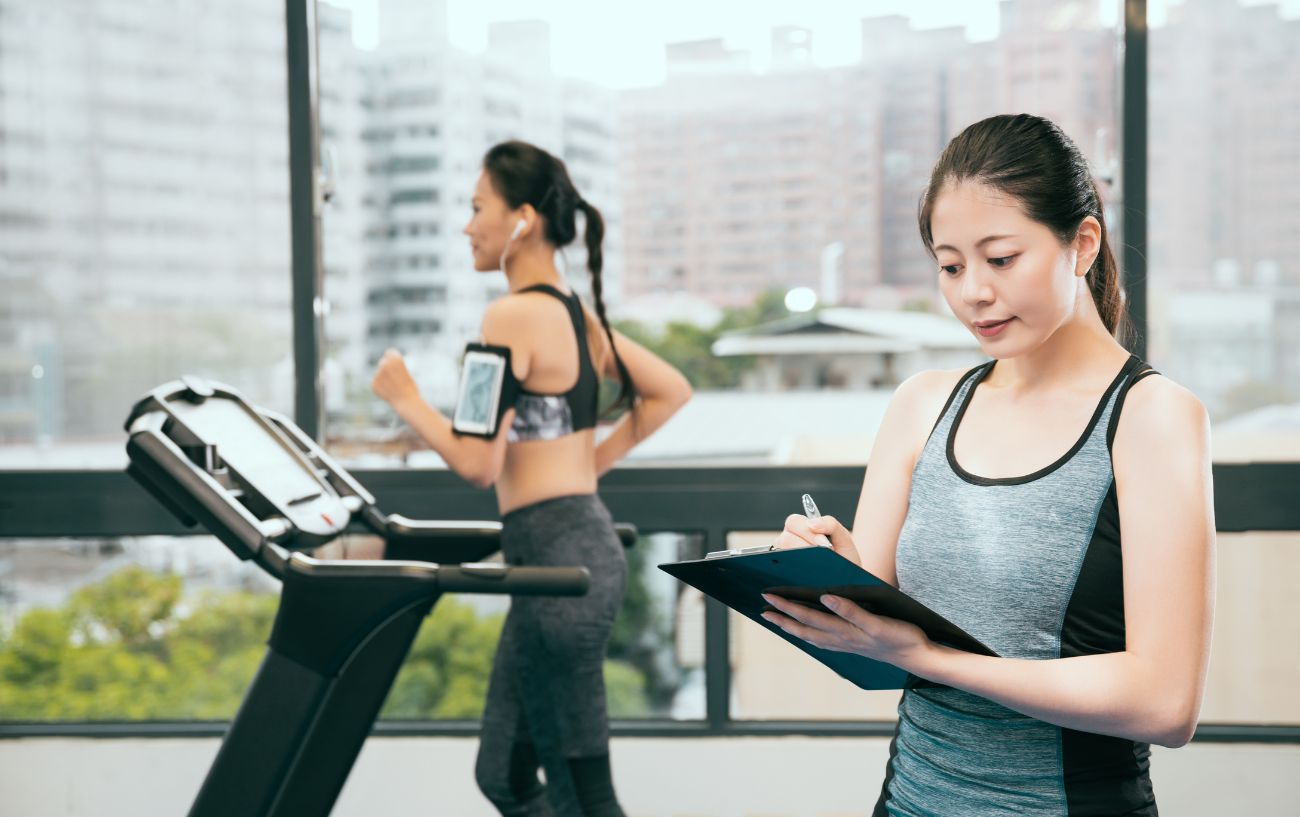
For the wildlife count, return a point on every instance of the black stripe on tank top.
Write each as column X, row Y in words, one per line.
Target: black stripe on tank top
column 952, row 395
column 1104, row 775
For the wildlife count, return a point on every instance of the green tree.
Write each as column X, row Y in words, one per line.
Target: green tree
column 689, row 348
column 215, row 651
column 640, row 632
column 121, row 650
column 31, row 660
column 767, row 307
column 446, row 672
column 625, row 690
column 135, row 647
column 130, row 607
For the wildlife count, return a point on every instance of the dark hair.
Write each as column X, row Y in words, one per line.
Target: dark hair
column 1031, row 160
column 525, row 174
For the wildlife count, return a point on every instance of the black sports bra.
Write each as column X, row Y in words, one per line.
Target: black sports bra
column 551, row 416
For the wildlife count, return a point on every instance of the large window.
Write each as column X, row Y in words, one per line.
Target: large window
column 759, row 182
column 1224, row 259
column 143, row 215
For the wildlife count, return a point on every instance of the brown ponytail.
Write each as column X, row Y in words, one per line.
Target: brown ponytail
column 595, row 234
column 1104, row 284
column 526, row 174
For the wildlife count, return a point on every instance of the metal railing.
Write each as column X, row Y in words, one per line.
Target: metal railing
column 710, row 503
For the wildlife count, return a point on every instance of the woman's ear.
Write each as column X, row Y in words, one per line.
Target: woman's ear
column 1087, row 245
column 526, row 215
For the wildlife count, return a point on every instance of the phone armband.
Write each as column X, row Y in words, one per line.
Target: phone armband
column 487, row 389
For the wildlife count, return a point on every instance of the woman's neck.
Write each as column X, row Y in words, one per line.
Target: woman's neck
column 531, row 267
column 1076, row 348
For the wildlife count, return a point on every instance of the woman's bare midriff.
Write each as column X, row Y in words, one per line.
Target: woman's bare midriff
column 538, row 470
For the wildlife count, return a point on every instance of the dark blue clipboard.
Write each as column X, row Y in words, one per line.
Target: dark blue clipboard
column 804, row 575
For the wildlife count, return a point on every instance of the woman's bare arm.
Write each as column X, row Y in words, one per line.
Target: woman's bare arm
column 661, row 391
column 476, row 459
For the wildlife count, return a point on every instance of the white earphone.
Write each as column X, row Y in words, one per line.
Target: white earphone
column 519, row 228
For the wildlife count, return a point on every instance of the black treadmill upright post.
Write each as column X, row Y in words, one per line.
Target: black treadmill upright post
column 328, row 668
column 340, row 636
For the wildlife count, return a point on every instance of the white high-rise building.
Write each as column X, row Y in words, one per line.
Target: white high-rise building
column 431, row 111
column 143, row 205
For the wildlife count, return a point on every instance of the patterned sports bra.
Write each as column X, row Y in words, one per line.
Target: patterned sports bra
column 551, row 416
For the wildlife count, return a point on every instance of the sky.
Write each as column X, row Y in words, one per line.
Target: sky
column 621, row 44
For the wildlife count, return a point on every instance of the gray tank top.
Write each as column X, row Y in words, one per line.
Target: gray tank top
column 1032, row 567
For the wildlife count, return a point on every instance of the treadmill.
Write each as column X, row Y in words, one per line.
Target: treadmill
column 343, row 627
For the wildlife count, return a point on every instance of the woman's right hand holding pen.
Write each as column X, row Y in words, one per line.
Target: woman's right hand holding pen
column 800, row 531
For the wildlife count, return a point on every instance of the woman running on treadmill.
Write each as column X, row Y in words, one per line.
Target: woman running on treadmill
column 546, row 697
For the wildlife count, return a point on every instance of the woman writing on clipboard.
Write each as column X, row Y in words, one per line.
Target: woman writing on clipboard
column 546, row 697
column 1055, row 503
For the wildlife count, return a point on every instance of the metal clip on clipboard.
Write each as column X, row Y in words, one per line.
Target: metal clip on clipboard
column 718, row 554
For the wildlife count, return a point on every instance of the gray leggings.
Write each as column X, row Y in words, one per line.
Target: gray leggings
column 546, row 697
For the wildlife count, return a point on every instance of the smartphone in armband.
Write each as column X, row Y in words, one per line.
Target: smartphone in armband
column 485, row 385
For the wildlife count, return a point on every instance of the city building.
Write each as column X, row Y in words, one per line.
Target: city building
column 1224, row 256
column 853, row 349
column 141, row 157
column 738, row 181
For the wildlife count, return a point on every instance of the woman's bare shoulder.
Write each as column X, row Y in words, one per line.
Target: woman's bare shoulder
column 926, row 392
column 914, row 409
column 520, row 317
column 1157, row 413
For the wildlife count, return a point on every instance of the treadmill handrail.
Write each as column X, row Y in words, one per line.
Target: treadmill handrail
column 401, row 527
column 397, row 526
column 460, row 578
